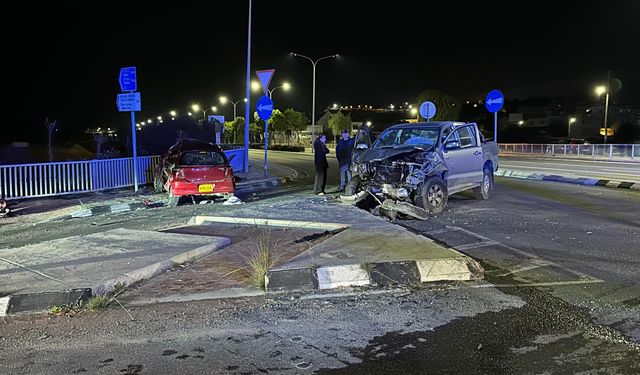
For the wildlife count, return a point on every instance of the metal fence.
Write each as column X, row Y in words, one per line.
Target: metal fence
column 610, row 151
column 59, row 178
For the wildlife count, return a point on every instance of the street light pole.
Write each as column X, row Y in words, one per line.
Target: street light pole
column 605, row 90
column 571, row 121
column 248, row 96
column 285, row 86
column 313, row 103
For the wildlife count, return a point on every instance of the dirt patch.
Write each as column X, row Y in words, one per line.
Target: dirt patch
column 227, row 268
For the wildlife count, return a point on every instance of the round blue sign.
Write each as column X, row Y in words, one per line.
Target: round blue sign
column 427, row 110
column 494, row 101
column 264, row 107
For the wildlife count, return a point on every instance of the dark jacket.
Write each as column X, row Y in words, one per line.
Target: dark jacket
column 344, row 148
column 320, row 152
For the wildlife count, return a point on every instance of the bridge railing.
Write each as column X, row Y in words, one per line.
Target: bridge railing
column 69, row 177
column 601, row 151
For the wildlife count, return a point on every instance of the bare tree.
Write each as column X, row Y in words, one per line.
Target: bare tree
column 51, row 127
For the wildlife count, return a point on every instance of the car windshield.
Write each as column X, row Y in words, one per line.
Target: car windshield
column 407, row 136
column 201, row 158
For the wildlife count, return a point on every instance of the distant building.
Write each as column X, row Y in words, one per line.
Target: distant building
column 590, row 120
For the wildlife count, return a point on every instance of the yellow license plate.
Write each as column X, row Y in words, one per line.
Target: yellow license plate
column 206, row 188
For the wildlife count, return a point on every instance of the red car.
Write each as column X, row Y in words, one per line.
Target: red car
column 194, row 167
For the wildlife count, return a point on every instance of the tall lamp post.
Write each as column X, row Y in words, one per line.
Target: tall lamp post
column 313, row 104
column 571, row 121
column 197, row 108
column 224, row 100
column 599, row 91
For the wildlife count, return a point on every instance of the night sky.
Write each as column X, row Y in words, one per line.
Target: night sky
column 64, row 58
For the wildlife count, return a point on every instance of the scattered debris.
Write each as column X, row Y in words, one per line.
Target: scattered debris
column 4, row 209
column 232, row 200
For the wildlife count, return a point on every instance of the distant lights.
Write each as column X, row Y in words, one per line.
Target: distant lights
column 520, row 122
column 475, row 106
column 149, row 121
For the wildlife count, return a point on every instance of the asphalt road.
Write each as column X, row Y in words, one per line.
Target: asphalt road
column 561, row 296
column 580, row 242
column 605, row 170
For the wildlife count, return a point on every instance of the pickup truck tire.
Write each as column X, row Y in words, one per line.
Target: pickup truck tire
column 483, row 191
column 354, row 186
column 432, row 195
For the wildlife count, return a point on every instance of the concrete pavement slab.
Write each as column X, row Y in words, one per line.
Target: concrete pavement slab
column 96, row 261
column 364, row 250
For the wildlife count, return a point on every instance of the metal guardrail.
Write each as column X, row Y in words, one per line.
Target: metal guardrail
column 608, row 151
column 60, row 178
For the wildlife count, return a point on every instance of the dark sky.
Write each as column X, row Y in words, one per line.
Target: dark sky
column 64, row 58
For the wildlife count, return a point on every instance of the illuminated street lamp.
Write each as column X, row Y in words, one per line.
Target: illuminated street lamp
column 313, row 101
column 415, row 112
column 599, row 91
column 173, row 113
column 571, row 121
column 255, row 86
column 224, row 100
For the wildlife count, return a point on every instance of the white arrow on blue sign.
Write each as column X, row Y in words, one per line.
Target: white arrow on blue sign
column 128, row 80
column 264, row 107
column 494, row 101
column 129, row 102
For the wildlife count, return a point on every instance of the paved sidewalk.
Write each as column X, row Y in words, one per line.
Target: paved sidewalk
column 366, row 249
column 63, row 271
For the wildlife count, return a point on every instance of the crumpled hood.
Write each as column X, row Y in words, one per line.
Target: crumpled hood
column 376, row 154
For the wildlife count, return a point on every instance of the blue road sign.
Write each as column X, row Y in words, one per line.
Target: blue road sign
column 264, row 107
column 264, row 76
column 494, row 101
column 427, row 110
column 212, row 118
column 127, row 79
column 129, row 102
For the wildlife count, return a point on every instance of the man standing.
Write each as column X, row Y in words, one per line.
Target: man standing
column 344, row 149
column 320, row 152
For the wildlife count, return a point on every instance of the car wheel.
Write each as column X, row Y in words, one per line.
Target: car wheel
column 433, row 195
column 483, row 191
column 173, row 199
column 354, row 186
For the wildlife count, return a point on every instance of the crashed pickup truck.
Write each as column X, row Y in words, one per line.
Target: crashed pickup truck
column 412, row 168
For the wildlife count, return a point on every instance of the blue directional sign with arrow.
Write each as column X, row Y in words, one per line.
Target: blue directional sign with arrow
column 127, row 79
column 494, row 101
column 264, row 107
column 427, row 110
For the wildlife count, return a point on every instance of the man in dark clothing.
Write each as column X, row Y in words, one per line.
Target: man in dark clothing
column 344, row 149
column 320, row 152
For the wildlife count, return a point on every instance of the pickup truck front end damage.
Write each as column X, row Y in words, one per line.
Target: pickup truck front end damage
column 392, row 179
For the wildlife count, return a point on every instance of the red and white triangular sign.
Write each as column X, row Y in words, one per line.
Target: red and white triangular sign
column 264, row 76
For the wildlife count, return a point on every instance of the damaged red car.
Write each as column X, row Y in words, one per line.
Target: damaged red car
column 195, row 168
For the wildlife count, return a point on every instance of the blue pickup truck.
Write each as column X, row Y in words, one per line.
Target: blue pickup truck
column 422, row 163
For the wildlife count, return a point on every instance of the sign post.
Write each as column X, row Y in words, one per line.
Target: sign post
column 218, row 125
column 494, row 103
column 130, row 102
column 264, row 107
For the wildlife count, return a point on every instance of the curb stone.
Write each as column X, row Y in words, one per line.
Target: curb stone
column 568, row 180
column 405, row 272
